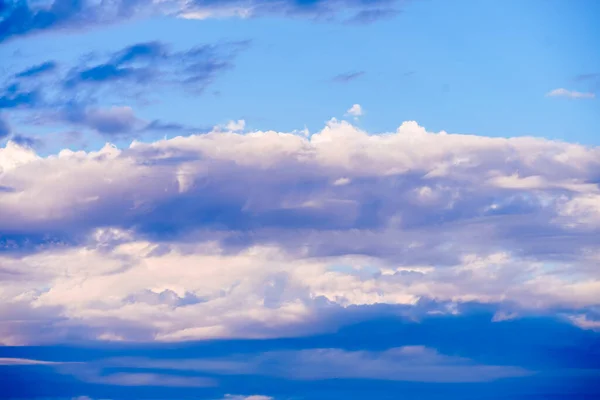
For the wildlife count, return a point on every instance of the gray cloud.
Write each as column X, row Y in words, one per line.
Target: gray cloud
column 4, row 127
column 21, row 18
column 347, row 77
column 298, row 228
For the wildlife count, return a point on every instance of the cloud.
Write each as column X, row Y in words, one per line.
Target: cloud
column 268, row 234
column 572, row 94
column 408, row 363
column 109, row 121
column 251, row 397
column 355, row 111
column 83, row 95
column 347, row 77
column 154, row 61
column 25, row 141
column 370, row 16
column 4, row 127
column 14, row 96
column 37, row 70
column 21, row 18
column 24, row 361
column 236, row 126
column 366, row 11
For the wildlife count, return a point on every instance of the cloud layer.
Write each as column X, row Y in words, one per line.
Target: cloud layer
column 22, row 17
column 263, row 234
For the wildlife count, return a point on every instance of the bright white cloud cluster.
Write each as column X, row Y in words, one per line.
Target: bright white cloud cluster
column 269, row 234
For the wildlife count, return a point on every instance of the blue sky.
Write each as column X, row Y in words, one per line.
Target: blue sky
column 299, row 199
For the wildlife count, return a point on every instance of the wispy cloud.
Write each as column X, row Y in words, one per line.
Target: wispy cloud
column 37, row 70
column 348, row 76
column 4, row 127
column 572, row 94
column 21, row 18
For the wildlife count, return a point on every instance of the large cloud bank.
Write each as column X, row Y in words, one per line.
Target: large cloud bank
column 266, row 234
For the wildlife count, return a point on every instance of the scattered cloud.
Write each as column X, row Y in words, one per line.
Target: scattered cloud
column 369, row 16
column 572, row 94
column 154, row 61
column 4, row 127
column 13, row 96
column 73, row 97
column 355, row 111
column 22, row 18
column 587, row 77
column 110, row 121
column 37, row 70
column 348, row 76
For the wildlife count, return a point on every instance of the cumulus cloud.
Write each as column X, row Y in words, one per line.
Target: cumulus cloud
column 572, row 94
column 236, row 126
column 355, row 111
column 264, row 234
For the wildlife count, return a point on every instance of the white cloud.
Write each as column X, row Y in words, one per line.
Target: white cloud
column 236, row 126
column 561, row 92
column 341, row 181
column 25, row 361
column 243, row 235
column 582, row 321
column 355, row 111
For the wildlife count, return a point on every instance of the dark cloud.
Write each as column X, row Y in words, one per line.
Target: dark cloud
column 162, row 126
column 118, row 121
column 26, row 141
column 372, row 15
column 587, row 77
column 307, row 8
column 124, row 74
column 4, row 127
column 348, row 76
column 109, row 121
column 14, row 96
column 590, row 79
column 153, row 61
column 22, row 17
column 37, row 70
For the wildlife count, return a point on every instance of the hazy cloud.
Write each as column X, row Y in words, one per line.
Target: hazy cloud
column 572, row 94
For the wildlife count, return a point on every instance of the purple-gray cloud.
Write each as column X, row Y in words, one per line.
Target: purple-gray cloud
column 251, row 234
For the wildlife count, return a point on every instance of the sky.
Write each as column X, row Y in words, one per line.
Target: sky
column 299, row 199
